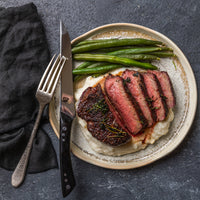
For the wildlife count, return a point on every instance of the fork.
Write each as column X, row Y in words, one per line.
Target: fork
column 44, row 95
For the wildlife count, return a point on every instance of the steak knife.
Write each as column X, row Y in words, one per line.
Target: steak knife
column 67, row 114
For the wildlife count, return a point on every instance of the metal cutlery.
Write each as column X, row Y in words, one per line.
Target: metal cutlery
column 67, row 114
column 44, row 95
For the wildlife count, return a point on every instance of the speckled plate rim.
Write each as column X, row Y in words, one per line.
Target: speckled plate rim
column 188, row 120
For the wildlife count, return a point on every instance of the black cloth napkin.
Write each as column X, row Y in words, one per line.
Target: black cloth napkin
column 24, row 55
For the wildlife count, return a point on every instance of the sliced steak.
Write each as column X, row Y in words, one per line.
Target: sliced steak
column 155, row 93
column 136, row 86
column 119, row 98
column 101, row 122
column 166, row 86
column 118, row 118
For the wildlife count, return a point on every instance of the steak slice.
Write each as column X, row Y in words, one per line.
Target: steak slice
column 101, row 122
column 119, row 98
column 156, row 95
column 116, row 115
column 166, row 86
column 136, row 86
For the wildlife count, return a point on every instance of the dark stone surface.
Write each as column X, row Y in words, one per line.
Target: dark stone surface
column 176, row 176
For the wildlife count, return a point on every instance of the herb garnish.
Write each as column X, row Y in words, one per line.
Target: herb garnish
column 141, row 122
column 100, row 105
column 148, row 99
column 164, row 97
column 116, row 131
column 136, row 74
column 115, row 136
column 155, row 108
column 128, row 80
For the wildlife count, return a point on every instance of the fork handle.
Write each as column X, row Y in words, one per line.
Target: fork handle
column 20, row 171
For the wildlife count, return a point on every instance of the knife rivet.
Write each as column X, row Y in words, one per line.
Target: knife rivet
column 63, row 134
column 65, row 99
column 68, row 187
column 65, row 174
column 66, row 180
column 64, row 128
column 63, row 140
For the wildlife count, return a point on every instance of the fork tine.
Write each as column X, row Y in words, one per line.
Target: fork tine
column 45, row 73
column 55, row 75
column 58, row 74
column 48, row 78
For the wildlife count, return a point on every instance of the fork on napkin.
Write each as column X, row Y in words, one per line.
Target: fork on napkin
column 44, row 95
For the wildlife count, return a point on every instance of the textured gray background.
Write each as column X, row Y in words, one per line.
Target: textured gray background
column 176, row 176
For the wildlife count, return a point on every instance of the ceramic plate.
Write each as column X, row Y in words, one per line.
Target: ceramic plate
column 184, row 84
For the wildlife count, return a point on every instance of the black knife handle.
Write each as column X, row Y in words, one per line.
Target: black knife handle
column 67, row 176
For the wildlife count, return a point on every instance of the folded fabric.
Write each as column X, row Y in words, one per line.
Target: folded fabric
column 24, row 55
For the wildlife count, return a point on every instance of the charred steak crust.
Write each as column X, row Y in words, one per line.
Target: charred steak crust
column 156, row 95
column 149, row 102
column 120, row 100
column 166, row 86
column 108, row 132
column 143, row 120
column 100, row 121
column 86, row 109
column 162, row 97
column 137, row 88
